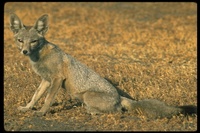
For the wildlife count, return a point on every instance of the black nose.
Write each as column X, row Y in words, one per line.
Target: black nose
column 25, row 52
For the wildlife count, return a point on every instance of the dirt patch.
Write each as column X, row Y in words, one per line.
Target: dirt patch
column 148, row 50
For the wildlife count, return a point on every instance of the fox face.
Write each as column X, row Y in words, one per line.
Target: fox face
column 28, row 39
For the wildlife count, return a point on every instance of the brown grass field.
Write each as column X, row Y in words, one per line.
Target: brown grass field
column 148, row 50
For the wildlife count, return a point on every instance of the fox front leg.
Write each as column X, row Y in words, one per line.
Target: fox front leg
column 53, row 90
column 39, row 92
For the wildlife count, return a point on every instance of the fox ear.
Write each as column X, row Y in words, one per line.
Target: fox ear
column 41, row 24
column 15, row 23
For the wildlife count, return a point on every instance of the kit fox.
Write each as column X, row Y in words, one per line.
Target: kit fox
column 60, row 70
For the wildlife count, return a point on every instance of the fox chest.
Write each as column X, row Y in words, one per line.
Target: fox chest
column 46, row 70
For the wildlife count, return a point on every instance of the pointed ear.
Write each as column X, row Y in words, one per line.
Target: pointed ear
column 41, row 24
column 15, row 23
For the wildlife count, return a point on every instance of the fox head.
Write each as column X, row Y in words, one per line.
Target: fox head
column 29, row 39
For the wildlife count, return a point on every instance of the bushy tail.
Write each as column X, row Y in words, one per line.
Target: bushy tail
column 155, row 108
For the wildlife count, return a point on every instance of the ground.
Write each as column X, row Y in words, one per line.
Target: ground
column 148, row 50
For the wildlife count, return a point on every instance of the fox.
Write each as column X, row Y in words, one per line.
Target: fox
column 58, row 69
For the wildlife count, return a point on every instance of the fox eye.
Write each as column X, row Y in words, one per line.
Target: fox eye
column 19, row 40
column 34, row 41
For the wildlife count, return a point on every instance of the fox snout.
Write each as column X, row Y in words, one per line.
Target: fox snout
column 25, row 52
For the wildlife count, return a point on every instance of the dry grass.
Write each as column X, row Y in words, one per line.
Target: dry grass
column 149, row 50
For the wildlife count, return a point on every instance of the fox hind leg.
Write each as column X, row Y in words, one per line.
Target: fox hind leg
column 100, row 102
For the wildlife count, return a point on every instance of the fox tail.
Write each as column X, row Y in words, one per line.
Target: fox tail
column 156, row 108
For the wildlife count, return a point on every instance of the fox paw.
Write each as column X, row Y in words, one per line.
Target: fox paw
column 23, row 109
column 38, row 113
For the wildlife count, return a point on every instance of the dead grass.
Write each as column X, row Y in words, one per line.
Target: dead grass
column 149, row 50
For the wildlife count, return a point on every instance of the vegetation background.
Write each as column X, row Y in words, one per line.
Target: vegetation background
column 148, row 50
